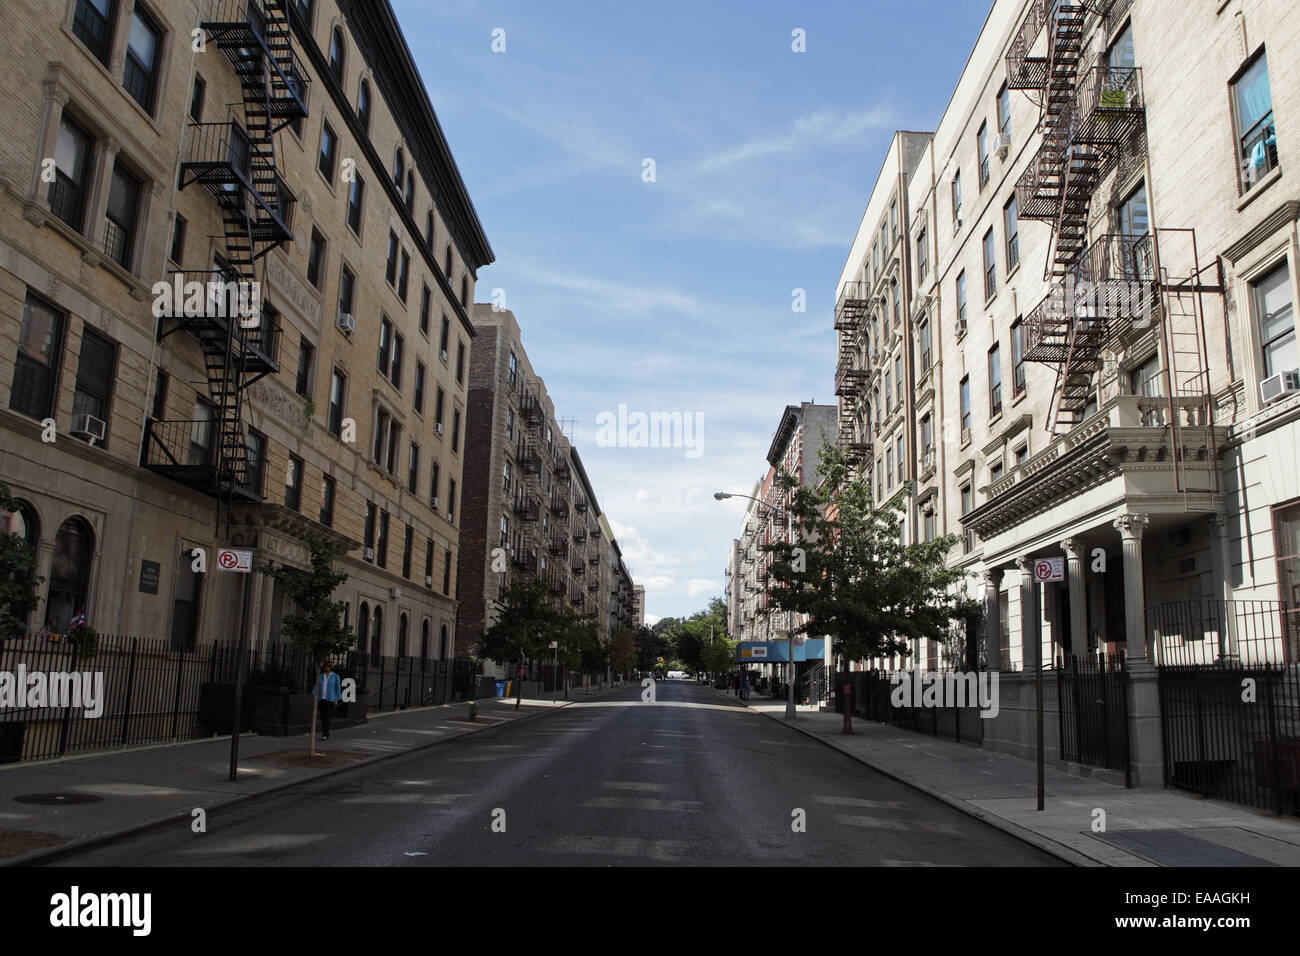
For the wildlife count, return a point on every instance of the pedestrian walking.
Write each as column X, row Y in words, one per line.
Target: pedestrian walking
column 327, row 695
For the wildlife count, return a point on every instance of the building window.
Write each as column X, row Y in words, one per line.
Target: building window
column 381, row 546
column 410, row 191
column 1256, row 132
column 961, row 303
column 256, row 473
column 159, row 409
column 967, row 505
column 510, row 424
column 336, row 54
column 177, row 251
column 338, row 395
column 377, row 635
column 1121, row 54
column 505, row 482
column 413, row 469
column 513, row 368
column 1013, row 233
column 893, row 220
column 406, row 573
column 327, row 501
column 306, row 359
column 71, row 173
column 316, row 259
column 390, row 268
column 121, row 216
column 36, row 366
column 140, row 74
column 990, row 266
column 889, row 465
column 293, row 483
column 995, row 381
column 927, row 440
column 428, row 563
column 902, row 469
column 1017, row 357
column 1022, row 454
column 438, row 400
column 399, row 167
column 1004, row 111
column 898, row 378
column 425, row 299
column 368, row 536
column 347, row 284
column 982, row 142
column 185, row 604
column 433, row 485
column 92, row 23
column 922, row 258
column 419, row 387
column 356, row 194
column 443, row 338
column 201, row 435
column 74, row 550
column 95, row 376
column 329, row 145
column 446, row 571
column 1276, row 317
column 451, row 499
column 925, row 346
column 446, row 266
column 363, row 106
column 428, row 228
column 455, row 429
column 928, row 527
column 1131, row 215
column 197, row 96
column 404, row 275
column 956, row 199
column 460, row 363
column 464, row 292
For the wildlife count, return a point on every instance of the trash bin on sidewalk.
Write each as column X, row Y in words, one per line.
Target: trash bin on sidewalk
column 501, row 688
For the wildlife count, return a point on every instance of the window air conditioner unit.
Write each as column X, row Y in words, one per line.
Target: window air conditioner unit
column 88, row 427
column 442, row 354
column 1004, row 145
column 433, row 503
column 965, row 435
column 394, row 592
column 1279, row 386
column 956, row 224
column 428, row 580
column 368, row 554
column 960, row 327
column 347, row 322
column 437, row 427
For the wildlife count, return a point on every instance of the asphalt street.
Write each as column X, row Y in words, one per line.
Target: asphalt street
column 690, row 779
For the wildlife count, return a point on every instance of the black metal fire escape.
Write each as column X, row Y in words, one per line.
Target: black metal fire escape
column 853, row 370
column 238, row 167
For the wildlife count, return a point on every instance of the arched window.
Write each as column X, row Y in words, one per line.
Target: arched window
column 336, row 54
column 74, row 549
column 410, row 191
column 401, row 636
column 424, row 640
column 377, row 635
column 399, row 168
column 442, row 644
column 185, row 604
column 23, row 522
column 363, row 629
column 363, row 106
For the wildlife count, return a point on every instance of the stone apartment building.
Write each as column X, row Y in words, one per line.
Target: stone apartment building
column 528, row 502
column 294, row 155
column 1146, row 437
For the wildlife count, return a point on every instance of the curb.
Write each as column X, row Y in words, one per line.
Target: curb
column 1064, row 853
column 41, row 857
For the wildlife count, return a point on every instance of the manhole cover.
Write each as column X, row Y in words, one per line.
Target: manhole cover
column 58, row 799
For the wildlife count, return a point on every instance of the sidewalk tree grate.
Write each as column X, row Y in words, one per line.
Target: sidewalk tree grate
column 58, row 799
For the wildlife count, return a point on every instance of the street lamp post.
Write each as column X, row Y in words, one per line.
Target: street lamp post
column 789, row 616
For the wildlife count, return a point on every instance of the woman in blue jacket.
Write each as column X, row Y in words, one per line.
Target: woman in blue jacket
column 327, row 695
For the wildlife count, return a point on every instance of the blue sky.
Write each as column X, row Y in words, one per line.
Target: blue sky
column 675, row 295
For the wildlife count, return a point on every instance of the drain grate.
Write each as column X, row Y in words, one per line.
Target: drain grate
column 58, row 799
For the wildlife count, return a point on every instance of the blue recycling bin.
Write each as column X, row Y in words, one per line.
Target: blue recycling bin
column 501, row 688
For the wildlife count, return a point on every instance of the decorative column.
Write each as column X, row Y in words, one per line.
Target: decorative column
column 1130, row 527
column 1075, row 549
column 1030, row 644
column 1222, row 556
column 55, row 99
column 993, row 618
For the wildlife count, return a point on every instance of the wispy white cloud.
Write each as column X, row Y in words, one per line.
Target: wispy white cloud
column 697, row 586
column 814, row 131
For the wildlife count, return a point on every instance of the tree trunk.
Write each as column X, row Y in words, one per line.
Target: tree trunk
column 519, row 691
column 315, row 706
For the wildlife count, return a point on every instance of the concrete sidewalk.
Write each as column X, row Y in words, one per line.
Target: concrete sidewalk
column 1143, row 827
column 139, row 788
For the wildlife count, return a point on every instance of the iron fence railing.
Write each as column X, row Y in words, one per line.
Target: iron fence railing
column 1093, row 703
column 125, row 691
column 871, row 698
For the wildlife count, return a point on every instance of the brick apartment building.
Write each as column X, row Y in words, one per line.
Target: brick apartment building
column 296, row 150
column 528, row 502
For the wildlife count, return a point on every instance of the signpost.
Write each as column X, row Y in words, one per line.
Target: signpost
column 1049, row 570
column 238, row 562
column 1046, row 571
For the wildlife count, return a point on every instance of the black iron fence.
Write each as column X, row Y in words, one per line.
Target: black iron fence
column 1093, row 701
column 1230, row 700
column 120, row 691
column 871, row 697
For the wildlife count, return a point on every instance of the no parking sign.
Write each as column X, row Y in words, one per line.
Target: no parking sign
column 1047, row 570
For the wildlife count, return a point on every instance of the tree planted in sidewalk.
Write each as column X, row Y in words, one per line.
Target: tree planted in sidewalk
column 316, row 625
column 19, row 582
column 851, row 575
column 524, row 625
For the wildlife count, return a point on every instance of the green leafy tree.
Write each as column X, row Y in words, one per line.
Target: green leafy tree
column 849, row 572
column 524, row 625
column 19, row 582
column 316, row 625
column 576, row 636
column 622, row 650
column 719, row 655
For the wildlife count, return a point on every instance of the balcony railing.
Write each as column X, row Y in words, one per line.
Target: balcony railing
column 853, row 304
column 1107, row 105
column 220, row 158
column 186, row 451
column 240, row 28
